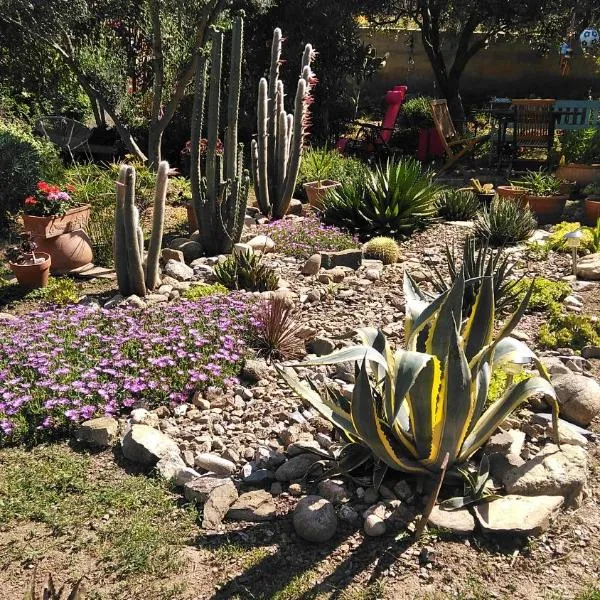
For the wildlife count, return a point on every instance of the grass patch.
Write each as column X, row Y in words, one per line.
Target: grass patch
column 247, row 557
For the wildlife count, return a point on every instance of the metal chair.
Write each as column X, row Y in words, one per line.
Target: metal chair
column 66, row 133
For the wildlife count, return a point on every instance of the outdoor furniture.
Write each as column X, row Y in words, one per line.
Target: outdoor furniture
column 577, row 114
column 66, row 133
column 456, row 146
column 372, row 139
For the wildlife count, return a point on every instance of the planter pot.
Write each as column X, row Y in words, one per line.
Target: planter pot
column 315, row 192
column 591, row 209
column 566, row 188
column 510, row 191
column 72, row 220
column 35, row 275
column 581, row 174
column 430, row 144
column 547, row 209
column 485, row 198
column 69, row 251
column 192, row 221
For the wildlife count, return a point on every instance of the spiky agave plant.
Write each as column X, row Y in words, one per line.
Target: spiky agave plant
column 412, row 407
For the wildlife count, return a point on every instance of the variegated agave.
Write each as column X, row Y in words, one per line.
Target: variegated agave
column 412, row 407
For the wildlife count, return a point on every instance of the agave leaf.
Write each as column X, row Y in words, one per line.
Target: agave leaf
column 461, row 501
column 349, row 354
column 482, row 475
column 482, row 376
column 370, row 336
column 408, row 366
column 353, row 456
column 480, row 324
column 379, row 473
column 418, row 318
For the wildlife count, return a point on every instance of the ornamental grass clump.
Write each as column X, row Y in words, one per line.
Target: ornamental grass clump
column 303, row 238
column 70, row 364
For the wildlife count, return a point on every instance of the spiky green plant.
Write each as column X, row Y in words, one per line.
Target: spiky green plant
column 221, row 195
column 505, row 223
column 395, row 200
column 51, row 593
column 413, row 407
column 382, row 248
column 458, row 205
column 539, row 183
column 476, row 263
column 277, row 151
column 132, row 276
column 245, row 271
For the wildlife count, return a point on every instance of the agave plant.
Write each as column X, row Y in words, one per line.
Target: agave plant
column 394, row 200
column 505, row 223
column 245, row 271
column 413, row 407
column 477, row 263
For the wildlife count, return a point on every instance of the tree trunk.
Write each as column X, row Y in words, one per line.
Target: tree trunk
column 155, row 133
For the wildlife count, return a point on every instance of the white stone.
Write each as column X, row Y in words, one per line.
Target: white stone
column 263, row 243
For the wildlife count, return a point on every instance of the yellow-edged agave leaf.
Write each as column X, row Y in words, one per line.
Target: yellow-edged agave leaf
column 499, row 410
column 479, row 329
column 350, row 354
column 370, row 336
column 481, row 378
column 417, row 326
column 407, row 367
column 511, row 350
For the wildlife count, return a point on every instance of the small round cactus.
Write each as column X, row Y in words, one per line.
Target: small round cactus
column 382, row 248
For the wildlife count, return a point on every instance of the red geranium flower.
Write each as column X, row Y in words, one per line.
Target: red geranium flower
column 30, row 200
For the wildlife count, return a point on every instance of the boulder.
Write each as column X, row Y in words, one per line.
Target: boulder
column 199, row 489
column 312, row 265
column 217, row 504
column 321, row 346
column 168, row 254
column 98, row 433
column 296, row 467
column 191, row 249
column 263, row 243
column 554, row 365
column 255, row 507
column 342, row 258
column 141, row 416
column 588, row 267
column 314, row 519
column 518, row 515
column 578, row 397
column 552, row 472
column 255, row 370
column 333, row 490
column 506, row 442
column 179, row 270
column 590, row 352
column 146, row 445
column 295, row 207
column 459, row 522
column 214, row 463
column 239, row 249
column 173, row 468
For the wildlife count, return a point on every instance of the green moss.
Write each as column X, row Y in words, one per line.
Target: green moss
column 546, row 293
column 204, row 289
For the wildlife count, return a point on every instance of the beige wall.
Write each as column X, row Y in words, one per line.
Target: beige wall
column 510, row 69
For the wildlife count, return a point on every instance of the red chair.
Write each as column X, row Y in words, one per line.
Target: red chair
column 371, row 139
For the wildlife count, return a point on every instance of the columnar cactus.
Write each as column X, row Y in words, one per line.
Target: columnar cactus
column 132, row 278
column 219, row 203
column 277, row 150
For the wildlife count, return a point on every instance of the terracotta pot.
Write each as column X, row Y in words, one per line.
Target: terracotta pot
column 192, row 221
column 547, row 209
column 510, row 191
column 591, row 209
column 69, row 251
column 316, row 192
column 581, row 174
column 33, row 276
column 72, row 220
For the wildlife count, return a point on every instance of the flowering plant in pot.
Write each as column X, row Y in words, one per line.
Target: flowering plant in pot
column 543, row 196
column 31, row 268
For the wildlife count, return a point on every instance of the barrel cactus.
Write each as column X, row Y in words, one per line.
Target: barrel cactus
column 277, row 151
column 382, row 248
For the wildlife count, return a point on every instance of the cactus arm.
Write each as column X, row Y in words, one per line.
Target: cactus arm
column 134, row 259
column 307, row 56
column 119, row 246
column 262, row 181
column 214, row 97
column 282, row 152
column 196, row 134
column 233, row 104
column 272, row 109
column 140, row 239
column 158, row 220
column 254, row 167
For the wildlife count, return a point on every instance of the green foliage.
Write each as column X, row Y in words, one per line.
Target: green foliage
column 245, row 271
column 592, row 189
column 24, row 160
column 458, row 205
column 501, row 381
column 393, row 201
column 417, row 112
column 590, row 240
column 101, row 228
column 581, row 146
column 478, row 487
column 545, row 292
column 334, row 165
column 382, row 248
column 412, row 408
column 569, row 330
column 60, row 290
column 539, row 183
column 204, row 289
column 504, row 223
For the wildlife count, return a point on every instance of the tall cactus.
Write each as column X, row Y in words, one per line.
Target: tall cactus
column 220, row 197
column 129, row 238
column 277, row 149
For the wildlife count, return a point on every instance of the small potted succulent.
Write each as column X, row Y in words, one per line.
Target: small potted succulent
column 543, row 195
column 31, row 268
column 320, row 165
column 485, row 192
column 591, row 205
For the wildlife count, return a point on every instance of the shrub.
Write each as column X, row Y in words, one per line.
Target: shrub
column 202, row 290
column 24, row 160
column 458, row 205
column 569, row 330
column 66, row 365
column 581, row 146
column 504, row 223
column 60, row 290
column 545, row 293
column 382, row 248
column 101, row 228
column 302, row 238
column 393, row 201
column 245, row 271
column 417, row 112
column 557, row 241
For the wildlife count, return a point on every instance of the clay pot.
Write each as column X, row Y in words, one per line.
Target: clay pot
column 33, row 276
column 581, row 174
column 316, row 191
column 547, row 209
column 72, row 220
column 510, row 191
column 591, row 209
column 69, row 251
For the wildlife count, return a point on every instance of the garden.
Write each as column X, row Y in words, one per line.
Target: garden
column 262, row 339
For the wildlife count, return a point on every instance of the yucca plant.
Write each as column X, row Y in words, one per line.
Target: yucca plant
column 413, row 407
column 505, row 223
column 245, row 271
column 458, row 205
column 394, row 200
column 476, row 263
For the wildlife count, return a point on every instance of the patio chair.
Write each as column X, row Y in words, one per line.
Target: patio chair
column 66, row 133
column 370, row 138
column 456, row 146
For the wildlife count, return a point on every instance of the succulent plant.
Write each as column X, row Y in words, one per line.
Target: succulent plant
column 505, row 222
column 245, row 271
column 382, row 248
column 458, row 205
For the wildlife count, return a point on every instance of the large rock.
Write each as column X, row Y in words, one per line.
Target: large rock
column 342, row 258
column 214, row 463
column 168, row 254
column 312, row 265
column 296, row 467
column 314, row 519
column 173, row 468
column 179, row 270
column 552, row 472
column 554, row 365
column 146, row 445
column 199, row 490
column 191, row 249
column 255, row 507
column 588, row 267
column 579, row 398
column 518, row 515
column 322, row 345
column 141, row 416
column 218, row 503
column 459, row 522
column 334, row 490
column 263, row 243
column 255, row 370
column 98, row 433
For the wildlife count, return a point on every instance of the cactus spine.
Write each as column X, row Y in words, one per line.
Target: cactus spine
column 220, row 197
column 277, row 149
column 129, row 238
